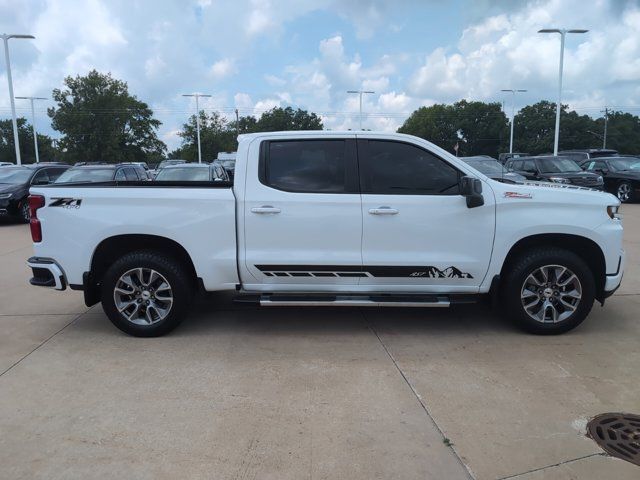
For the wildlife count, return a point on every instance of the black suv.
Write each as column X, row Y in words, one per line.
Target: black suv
column 588, row 153
column 104, row 172
column 621, row 175
column 554, row 169
column 16, row 181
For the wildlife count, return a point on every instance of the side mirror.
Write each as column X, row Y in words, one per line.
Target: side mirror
column 40, row 182
column 471, row 189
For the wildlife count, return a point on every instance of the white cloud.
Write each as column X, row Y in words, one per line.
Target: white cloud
column 222, row 68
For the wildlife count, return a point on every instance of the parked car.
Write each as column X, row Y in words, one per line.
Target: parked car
column 15, row 182
column 166, row 163
column 493, row 169
column 621, row 175
column 503, row 157
column 119, row 172
column 321, row 220
column 228, row 162
column 555, row 169
column 193, row 172
column 579, row 155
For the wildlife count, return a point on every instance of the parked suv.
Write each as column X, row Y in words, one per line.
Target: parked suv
column 15, row 182
column 118, row 172
column 587, row 153
column 621, row 175
column 193, row 172
column 554, row 169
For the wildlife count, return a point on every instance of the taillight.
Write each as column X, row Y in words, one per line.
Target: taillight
column 35, row 202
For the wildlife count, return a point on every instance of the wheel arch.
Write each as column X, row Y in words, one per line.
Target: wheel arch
column 112, row 248
column 584, row 247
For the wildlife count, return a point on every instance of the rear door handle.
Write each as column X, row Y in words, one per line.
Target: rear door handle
column 265, row 209
column 383, row 211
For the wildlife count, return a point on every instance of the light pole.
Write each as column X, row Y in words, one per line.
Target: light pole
column 197, row 96
column 33, row 123
column 513, row 112
column 360, row 92
column 16, row 142
column 563, row 32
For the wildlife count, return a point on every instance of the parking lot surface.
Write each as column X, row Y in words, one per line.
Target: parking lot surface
column 243, row 393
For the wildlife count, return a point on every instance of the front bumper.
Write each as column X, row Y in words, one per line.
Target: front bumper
column 612, row 281
column 47, row 273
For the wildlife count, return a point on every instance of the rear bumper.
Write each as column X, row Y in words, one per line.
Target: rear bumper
column 47, row 273
column 613, row 281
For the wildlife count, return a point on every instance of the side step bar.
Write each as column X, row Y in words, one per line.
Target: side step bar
column 274, row 300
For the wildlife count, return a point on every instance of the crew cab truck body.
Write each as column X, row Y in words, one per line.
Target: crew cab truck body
column 329, row 218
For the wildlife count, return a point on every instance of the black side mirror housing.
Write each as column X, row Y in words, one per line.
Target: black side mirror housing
column 471, row 189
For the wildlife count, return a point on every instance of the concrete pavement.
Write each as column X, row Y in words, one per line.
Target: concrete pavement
column 239, row 392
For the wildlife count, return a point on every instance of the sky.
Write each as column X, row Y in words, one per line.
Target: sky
column 254, row 55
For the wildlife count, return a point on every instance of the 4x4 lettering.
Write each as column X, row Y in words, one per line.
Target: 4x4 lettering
column 66, row 202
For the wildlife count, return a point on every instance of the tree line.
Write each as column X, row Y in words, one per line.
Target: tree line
column 100, row 120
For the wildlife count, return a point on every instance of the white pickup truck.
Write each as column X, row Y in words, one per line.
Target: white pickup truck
column 331, row 219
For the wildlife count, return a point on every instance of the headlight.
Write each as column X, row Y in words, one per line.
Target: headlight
column 612, row 211
column 600, row 179
column 559, row 180
column 5, row 195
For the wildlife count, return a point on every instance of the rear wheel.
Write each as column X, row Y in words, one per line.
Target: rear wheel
column 548, row 291
column 146, row 294
column 625, row 192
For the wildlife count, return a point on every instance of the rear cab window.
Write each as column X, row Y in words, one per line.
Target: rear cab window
column 309, row 166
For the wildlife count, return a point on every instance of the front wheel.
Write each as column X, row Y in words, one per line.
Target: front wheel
column 23, row 211
column 625, row 192
column 146, row 294
column 548, row 291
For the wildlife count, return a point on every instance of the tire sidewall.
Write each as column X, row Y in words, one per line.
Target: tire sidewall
column 529, row 263
column 174, row 274
column 630, row 198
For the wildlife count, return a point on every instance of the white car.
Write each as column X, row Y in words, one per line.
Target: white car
column 320, row 219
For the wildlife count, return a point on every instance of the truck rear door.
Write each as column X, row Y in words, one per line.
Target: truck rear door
column 302, row 214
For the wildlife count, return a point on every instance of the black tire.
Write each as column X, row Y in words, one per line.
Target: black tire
column 624, row 192
column 181, row 289
column 23, row 211
column 518, row 272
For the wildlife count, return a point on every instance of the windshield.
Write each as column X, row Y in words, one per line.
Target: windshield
column 625, row 163
column 15, row 176
column 486, row 166
column 76, row 175
column 558, row 165
column 185, row 174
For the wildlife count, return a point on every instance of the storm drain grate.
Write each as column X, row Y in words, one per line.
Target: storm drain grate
column 618, row 434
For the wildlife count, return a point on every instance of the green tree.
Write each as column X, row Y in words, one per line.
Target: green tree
column 280, row 119
column 534, row 129
column 216, row 135
column 623, row 132
column 478, row 128
column 101, row 121
column 46, row 150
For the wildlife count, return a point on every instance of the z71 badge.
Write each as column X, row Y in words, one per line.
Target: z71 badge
column 66, row 202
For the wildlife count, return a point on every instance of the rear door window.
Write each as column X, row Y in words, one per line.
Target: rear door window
column 309, row 166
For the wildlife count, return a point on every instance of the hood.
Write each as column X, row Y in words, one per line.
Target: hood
column 581, row 174
column 10, row 188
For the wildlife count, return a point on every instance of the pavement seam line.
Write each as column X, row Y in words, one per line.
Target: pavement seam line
column 41, row 344
column 564, row 462
column 415, row 394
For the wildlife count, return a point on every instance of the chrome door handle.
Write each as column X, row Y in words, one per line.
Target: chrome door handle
column 383, row 211
column 265, row 209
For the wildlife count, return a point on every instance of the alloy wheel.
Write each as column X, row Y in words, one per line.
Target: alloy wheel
column 624, row 192
column 143, row 296
column 551, row 294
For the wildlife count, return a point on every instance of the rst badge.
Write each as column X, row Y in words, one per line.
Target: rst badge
column 66, row 202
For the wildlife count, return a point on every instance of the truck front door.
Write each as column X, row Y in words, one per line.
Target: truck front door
column 418, row 233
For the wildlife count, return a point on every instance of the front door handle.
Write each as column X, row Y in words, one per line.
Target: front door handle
column 383, row 211
column 265, row 209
